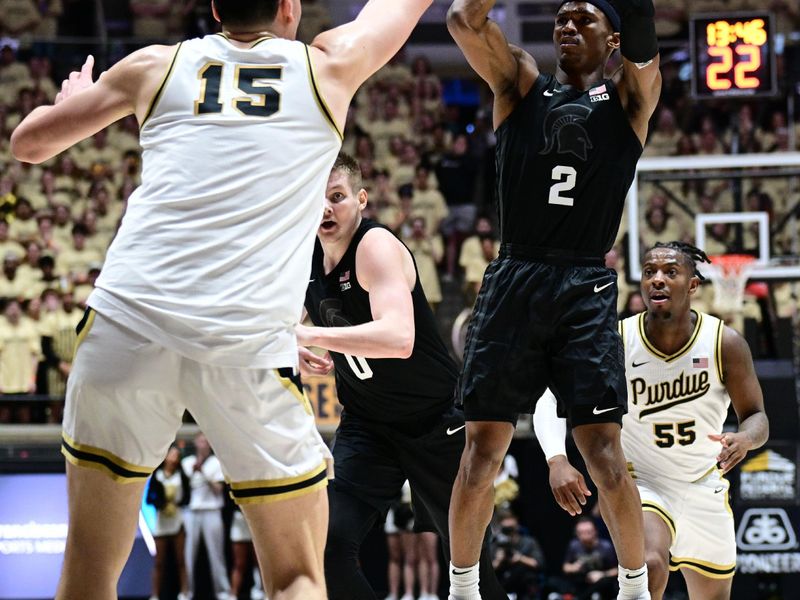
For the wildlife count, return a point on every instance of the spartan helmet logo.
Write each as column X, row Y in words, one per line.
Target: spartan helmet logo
column 564, row 126
column 330, row 310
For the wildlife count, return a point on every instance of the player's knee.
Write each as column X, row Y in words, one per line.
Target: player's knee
column 301, row 587
column 340, row 550
column 657, row 569
column 481, row 465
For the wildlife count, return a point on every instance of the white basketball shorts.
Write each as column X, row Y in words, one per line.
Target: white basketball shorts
column 125, row 401
column 699, row 518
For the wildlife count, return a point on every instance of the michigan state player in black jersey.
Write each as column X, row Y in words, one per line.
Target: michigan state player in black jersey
column 567, row 146
column 394, row 379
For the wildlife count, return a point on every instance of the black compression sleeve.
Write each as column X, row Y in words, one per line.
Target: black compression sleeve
column 638, row 39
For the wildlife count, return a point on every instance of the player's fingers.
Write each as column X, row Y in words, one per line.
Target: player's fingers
column 563, row 503
column 86, row 69
column 715, row 437
column 582, row 487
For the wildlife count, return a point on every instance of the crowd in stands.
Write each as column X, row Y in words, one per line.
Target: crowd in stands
column 427, row 165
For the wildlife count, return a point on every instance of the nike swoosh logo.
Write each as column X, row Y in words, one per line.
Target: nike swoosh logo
column 311, row 280
column 451, row 432
column 549, row 93
column 719, row 489
column 600, row 288
column 600, row 411
column 459, row 572
column 635, row 576
column 634, row 364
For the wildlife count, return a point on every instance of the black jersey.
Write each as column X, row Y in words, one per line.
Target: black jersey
column 565, row 161
column 385, row 389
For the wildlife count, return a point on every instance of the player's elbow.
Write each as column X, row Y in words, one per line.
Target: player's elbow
column 405, row 345
column 457, row 18
column 26, row 148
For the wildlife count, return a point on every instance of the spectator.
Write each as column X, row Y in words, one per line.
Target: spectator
column 19, row 359
column 75, row 261
column 47, row 29
column 316, row 19
column 427, row 251
column 477, row 252
column 428, row 565
column 457, row 172
column 402, row 547
column 590, row 563
column 7, row 245
column 427, row 201
column 634, row 304
column 244, row 557
column 58, row 345
column 518, row 558
column 150, row 18
column 18, row 18
column 169, row 491
column 23, row 227
column 664, row 138
column 203, row 517
column 11, row 284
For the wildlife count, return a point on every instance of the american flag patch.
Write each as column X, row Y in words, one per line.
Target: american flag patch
column 344, row 276
column 700, row 363
column 598, row 90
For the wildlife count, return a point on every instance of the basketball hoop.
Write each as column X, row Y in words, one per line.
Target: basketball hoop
column 729, row 274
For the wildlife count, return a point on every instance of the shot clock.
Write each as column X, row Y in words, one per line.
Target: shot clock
column 732, row 55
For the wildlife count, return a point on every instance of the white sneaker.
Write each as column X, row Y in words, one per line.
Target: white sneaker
column 183, row 596
column 407, row 597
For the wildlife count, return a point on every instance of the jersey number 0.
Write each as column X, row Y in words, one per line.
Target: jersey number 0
column 263, row 100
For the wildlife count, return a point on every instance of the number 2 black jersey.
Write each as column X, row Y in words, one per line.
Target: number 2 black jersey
column 565, row 161
column 385, row 389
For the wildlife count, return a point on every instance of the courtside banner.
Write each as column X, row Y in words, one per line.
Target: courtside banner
column 322, row 393
column 768, row 476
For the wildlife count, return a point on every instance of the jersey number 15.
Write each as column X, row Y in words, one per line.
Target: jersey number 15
column 263, row 100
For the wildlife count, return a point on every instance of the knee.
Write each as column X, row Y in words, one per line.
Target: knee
column 606, row 463
column 340, row 549
column 480, row 464
column 302, row 587
column 657, row 569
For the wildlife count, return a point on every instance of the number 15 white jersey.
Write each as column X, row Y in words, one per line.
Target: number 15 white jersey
column 674, row 401
column 214, row 253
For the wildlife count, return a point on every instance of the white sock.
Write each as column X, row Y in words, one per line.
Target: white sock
column 633, row 583
column 464, row 583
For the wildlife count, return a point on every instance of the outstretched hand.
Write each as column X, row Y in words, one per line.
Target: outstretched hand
column 734, row 448
column 569, row 487
column 77, row 81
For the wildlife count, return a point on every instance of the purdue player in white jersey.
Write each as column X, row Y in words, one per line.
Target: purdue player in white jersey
column 204, row 283
column 683, row 369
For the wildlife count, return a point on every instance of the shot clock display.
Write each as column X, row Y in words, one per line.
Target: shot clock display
column 732, row 55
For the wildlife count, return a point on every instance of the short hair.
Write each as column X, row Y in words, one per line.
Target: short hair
column 691, row 255
column 80, row 229
column 238, row 13
column 350, row 167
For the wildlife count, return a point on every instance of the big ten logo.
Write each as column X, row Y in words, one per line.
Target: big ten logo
column 322, row 394
column 767, row 529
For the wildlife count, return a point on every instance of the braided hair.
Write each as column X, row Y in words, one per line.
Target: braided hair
column 692, row 255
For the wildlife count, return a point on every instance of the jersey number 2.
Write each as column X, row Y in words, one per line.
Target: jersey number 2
column 565, row 178
column 249, row 80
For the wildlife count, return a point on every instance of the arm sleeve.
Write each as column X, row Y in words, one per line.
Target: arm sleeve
column 638, row 41
column 550, row 429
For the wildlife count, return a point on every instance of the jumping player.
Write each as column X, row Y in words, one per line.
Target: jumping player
column 202, row 286
column 683, row 369
column 567, row 147
column 394, row 379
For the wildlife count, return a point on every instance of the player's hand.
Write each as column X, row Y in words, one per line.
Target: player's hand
column 568, row 485
column 311, row 364
column 77, row 81
column 734, row 448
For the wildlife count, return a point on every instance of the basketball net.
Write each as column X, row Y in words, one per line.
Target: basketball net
column 729, row 274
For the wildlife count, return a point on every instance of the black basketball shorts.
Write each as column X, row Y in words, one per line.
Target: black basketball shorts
column 537, row 325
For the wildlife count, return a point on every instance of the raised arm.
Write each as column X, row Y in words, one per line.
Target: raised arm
column 747, row 399
column 641, row 78
column 84, row 107
column 509, row 71
column 384, row 268
column 346, row 56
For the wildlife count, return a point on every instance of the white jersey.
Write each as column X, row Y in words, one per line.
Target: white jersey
column 214, row 253
column 674, row 402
